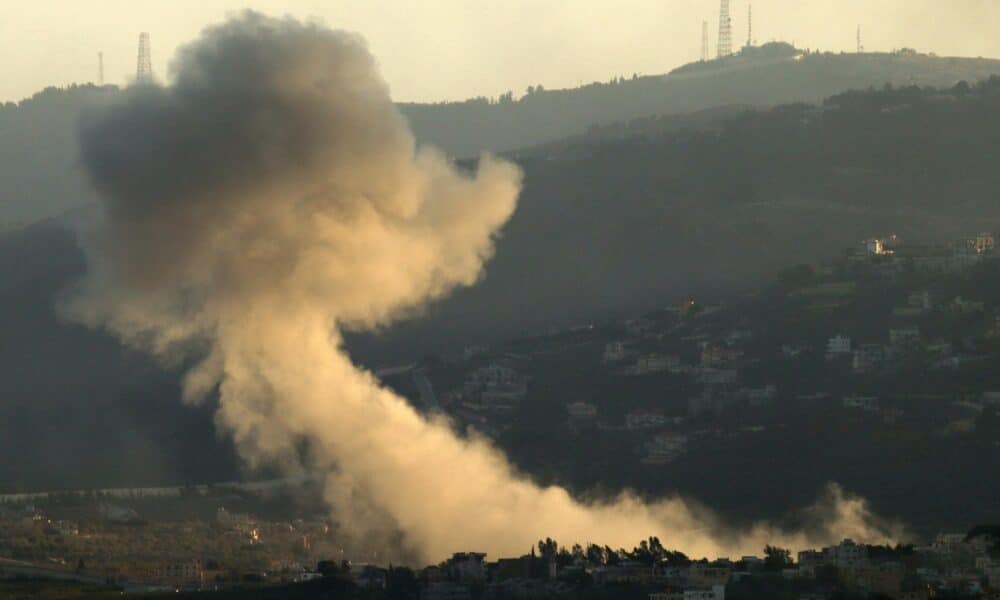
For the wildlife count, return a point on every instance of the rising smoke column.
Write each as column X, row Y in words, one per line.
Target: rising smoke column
column 272, row 197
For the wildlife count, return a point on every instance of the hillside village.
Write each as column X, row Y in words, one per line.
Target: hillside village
column 836, row 347
column 896, row 340
column 116, row 550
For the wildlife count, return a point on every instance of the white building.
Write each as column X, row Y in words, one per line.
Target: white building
column 869, row 403
column 493, row 376
column 665, row 447
column 984, row 242
column 654, row 363
column 881, row 246
column 614, row 352
column 838, row 346
column 905, row 336
column 867, row 357
column 717, row 376
column 762, row 396
column 644, row 419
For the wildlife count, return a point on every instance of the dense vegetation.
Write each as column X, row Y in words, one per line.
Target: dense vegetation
column 606, row 226
column 773, row 74
column 615, row 225
column 41, row 175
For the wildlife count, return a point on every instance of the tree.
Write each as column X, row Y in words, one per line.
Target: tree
column 777, row 559
column 595, row 554
column 548, row 548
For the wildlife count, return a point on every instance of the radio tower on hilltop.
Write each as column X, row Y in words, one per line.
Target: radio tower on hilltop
column 749, row 25
column 861, row 47
column 725, row 30
column 100, row 68
column 144, row 66
column 704, row 41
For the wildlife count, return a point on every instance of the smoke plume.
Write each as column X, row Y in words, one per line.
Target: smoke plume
column 272, row 197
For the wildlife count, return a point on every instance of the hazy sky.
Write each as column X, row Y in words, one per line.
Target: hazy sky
column 450, row 49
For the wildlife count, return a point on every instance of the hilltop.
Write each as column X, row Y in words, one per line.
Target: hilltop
column 759, row 77
column 38, row 153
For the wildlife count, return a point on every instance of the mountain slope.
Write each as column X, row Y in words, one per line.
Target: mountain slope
column 605, row 227
column 41, row 175
column 775, row 74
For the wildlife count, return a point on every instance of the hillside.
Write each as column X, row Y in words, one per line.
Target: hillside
column 41, row 175
column 624, row 224
column 606, row 227
column 38, row 161
column 774, row 74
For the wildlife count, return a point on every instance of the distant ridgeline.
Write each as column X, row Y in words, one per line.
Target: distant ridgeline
column 38, row 147
column 630, row 217
column 764, row 76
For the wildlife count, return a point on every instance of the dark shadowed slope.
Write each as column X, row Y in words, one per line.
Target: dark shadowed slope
column 77, row 410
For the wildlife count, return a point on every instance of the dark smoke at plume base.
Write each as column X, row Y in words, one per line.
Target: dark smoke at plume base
column 271, row 197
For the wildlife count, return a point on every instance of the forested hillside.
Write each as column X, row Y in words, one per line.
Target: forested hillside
column 605, row 227
column 761, row 77
column 41, row 175
column 623, row 224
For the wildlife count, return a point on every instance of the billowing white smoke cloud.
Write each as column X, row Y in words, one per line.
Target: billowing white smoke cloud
column 273, row 196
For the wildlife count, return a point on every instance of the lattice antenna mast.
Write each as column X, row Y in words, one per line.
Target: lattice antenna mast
column 704, row 41
column 100, row 68
column 725, row 30
column 144, row 66
column 749, row 25
column 861, row 47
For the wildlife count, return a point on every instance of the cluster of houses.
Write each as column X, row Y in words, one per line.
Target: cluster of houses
column 713, row 349
column 961, row 565
column 495, row 387
column 889, row 256
column 953, row 565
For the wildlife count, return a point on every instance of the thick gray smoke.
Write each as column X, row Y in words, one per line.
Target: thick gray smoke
column 273, row 196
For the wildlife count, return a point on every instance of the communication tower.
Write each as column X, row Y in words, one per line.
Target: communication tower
column 725, row 30
column 100, row 68
column 144, row 66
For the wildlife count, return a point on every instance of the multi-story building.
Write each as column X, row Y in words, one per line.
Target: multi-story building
column 867, row 358
column 847, row 555
column 837, row 346
column 187, row 573
column 644, row 419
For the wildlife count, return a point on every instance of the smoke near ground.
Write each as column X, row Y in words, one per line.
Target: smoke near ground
column 273, row 197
